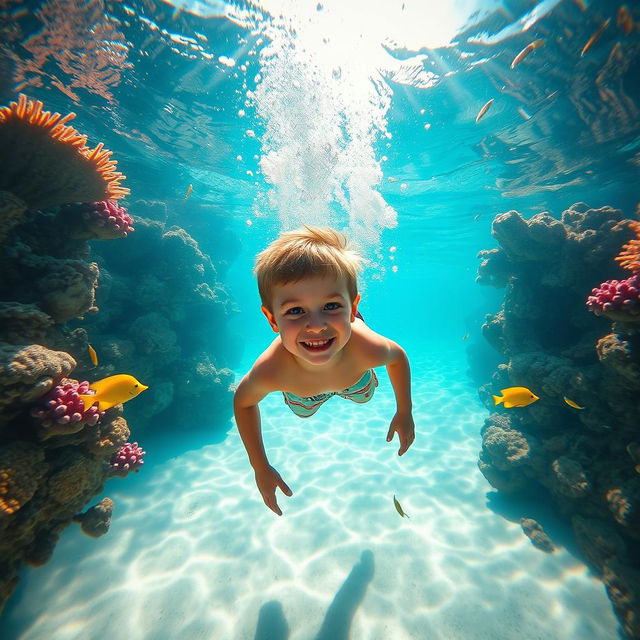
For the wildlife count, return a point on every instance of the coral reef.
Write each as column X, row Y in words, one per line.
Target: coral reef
column 587, row 460
column 165, row 318
column 95, row 522
column 45, row 162
column 54, row 453
column 160, row 320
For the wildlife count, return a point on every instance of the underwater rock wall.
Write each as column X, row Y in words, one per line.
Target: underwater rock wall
column 164, row 315
column 586, row 455
column 159, row 313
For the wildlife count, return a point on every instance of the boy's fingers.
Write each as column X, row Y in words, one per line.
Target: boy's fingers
column 272, row 504
column 284, row 487
column 390, row 434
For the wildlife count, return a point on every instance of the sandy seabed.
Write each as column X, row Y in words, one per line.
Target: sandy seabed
column 194, row 554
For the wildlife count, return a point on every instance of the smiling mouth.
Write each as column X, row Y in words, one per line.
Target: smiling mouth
column 317, row 345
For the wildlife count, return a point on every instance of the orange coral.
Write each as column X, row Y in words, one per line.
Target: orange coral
column 629, row 256
column 46, row 162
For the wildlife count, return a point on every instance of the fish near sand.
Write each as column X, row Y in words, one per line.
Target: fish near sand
column 484, row 110
column 399, row 508
column 112, row 391
column 516, row 397
column 526, row 51
column 93, row 355
column 571, row 403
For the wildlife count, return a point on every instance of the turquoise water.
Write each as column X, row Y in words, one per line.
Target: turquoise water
column 362, row 117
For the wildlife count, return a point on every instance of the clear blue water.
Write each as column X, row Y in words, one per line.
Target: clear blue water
column 286, row 113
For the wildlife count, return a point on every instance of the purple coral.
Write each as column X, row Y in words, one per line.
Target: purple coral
column 63, row 406
column 106, row 218
column 617, row 299
column 127, row 458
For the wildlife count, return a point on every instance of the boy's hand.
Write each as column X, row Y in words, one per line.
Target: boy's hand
column 268, row 480
column 402, row 424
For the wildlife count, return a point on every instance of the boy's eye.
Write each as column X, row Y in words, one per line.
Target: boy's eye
column 294, row 311
column 332, row 306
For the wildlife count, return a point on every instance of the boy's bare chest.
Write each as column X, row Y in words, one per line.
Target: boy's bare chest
column 304, row 383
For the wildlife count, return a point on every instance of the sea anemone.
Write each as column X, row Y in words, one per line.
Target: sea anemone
column 62, row 411
column 617, row 299
column 629, row 256
column 127, row 458
column 45, row 162
column 101, row 220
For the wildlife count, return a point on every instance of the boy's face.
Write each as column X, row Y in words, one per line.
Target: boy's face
column 313, row 317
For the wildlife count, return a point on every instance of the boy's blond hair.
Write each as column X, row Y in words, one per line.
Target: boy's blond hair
column 306, row 253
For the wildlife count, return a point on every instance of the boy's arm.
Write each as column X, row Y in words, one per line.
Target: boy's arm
column 245, row 408
column 252, row 388
column 400, row 376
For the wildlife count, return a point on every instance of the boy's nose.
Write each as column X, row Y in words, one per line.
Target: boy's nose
column 315, row 323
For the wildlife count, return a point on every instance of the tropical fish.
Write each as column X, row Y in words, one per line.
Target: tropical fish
column 189, row 190
column 112, row 391
column 93, row 355
column 526, row 51
column 624, row 19
column 399, row 508
column 465, row 336
column 595, row 37
column 571, row 403
column 483, row 110
column 516, row 397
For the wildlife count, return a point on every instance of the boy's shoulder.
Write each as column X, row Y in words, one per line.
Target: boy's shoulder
column 370, row 347
column 267, row 369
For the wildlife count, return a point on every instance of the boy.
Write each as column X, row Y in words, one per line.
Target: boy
column 307, row 281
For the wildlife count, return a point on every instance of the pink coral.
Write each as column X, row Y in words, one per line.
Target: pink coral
column 127, row 458
column 106, row 219
column 617, row 299
column 63, row 406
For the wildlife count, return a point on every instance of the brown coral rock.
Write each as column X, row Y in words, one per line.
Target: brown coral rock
column 616, row 353
column 570, row 478
column 507, row 448
column 28, row 372
column 534, row 531
column 95, row 522
column 109, row 437
column 75, row 481
column 23, row 322
column 21, row 467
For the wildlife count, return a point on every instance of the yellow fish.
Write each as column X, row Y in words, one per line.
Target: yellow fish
column 465, row 336
column 516, row 397
column 526, row 51
column 483, row 110
column 112, row 391
column 189, row 190
column 93, row 355
column 399, row 508
column 571, row 403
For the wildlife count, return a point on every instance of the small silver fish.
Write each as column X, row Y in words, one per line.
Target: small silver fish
column 483, row 110
column 399, row 508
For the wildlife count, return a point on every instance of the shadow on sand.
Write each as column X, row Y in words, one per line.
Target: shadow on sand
column 336, row 625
